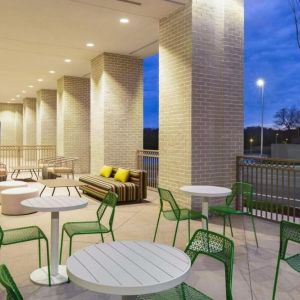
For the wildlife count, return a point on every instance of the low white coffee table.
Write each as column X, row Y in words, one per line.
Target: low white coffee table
column 205, row 192
column 53, row 204
column 11, row 184
column 11, row 200
column 128, row 268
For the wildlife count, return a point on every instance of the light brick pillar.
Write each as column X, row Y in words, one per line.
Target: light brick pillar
column 46, row 117
column 201, row 95
column 73, row 120
column 29, row 121
column 116, row 110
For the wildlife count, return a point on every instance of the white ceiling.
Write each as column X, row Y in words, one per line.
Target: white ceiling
column 37, row 35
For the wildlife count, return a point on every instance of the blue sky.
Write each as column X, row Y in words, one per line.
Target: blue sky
column 271, row 52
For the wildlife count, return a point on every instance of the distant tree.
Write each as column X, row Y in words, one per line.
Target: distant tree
column 288, row 118
column 295, row 6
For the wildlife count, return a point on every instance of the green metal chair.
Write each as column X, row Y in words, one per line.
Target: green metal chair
column 26, row 234
column 244, row 190
column 93, row 227
column 288, row 232
column 174, row 213
column 208, row 243
column 7, row 281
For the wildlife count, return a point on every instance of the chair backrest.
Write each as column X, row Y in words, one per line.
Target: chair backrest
column 7, row 281
column 165, row 196
column 288, row 232
column 244, row 190
column 216, row 246
column 109, row 201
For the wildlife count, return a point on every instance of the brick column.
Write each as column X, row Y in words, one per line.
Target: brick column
column 29, row 121
column 116, row 110
column 46, row 117
column 73, row 120
column 11, row 116
column 201, row 95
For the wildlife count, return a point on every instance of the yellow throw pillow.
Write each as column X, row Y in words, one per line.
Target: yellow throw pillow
column 122, row 175
column 106, row 171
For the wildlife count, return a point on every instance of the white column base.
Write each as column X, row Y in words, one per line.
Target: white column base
column 40, row 276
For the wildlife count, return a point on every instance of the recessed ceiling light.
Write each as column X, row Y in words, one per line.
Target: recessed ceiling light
column 90, row 45
column 40, row 80
column 30, row 86
column 68, row 60
column 18, row 96
column 24, row 92
column 124, row 21
column 52, row 72
column 12, row 99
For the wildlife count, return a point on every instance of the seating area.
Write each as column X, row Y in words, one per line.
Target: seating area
column 238, row 268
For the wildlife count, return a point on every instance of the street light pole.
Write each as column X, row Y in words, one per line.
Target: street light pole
column 261, row 84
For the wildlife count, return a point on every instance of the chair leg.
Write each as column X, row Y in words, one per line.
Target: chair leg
column 61, row 245
column 112, row 235
column 224, row 224
column 40, row 260
column 276, row 277
column 70, row 246
column 189, row 229
column 156, row 226
column 48, row 263
column 254, row 230
column 176, row 229
column 229, row 218
column 102, row 239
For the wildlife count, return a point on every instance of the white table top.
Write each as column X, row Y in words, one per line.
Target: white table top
column 128, row 267
column 55, row 203
column 206, row 190
column 20, row 191
column 12, row 183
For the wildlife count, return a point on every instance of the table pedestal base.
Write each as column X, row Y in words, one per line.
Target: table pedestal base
column 129, row 297
column 40, row 276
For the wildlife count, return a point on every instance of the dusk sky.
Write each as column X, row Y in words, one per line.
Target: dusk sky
column 271, row 52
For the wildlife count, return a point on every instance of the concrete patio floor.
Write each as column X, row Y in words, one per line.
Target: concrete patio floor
column 254, row 268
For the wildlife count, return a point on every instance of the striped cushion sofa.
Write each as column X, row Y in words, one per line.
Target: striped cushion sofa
column 133, row 190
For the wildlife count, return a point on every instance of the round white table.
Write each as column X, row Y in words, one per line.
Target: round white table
column 11, row 184
column 128, row 268
column 205, row 192
column 53, row 204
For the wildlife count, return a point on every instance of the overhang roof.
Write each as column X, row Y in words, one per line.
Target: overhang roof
column 37, row 35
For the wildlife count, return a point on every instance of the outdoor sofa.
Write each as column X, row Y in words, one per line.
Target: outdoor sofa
column 134, row 190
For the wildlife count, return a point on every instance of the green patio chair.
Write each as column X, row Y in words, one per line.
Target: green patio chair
column 244, row 190
column 174, row 213
column 8, row 282
column 288, row 232
column 26, row 234
column 208, row 243
column 93, row 227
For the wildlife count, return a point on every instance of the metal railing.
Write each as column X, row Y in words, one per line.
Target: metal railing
column 276, row 185
column 148, row 160
column 13, row 156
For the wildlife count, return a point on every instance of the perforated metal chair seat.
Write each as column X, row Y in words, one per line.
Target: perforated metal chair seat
column 183, row 214
column 24, row 234
column 72, row 228
column 294, row 262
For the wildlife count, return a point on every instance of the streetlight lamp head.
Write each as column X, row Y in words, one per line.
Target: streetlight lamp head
column 260, row 82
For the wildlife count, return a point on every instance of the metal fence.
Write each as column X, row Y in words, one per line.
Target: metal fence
column 276, row 185
column 14, row 156
column 148, row 160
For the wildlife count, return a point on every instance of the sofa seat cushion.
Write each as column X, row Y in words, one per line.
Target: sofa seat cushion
column 127, row 191
column 60, row 170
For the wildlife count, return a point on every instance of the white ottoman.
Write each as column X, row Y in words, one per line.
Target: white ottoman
column 4, row 185
column 12, row 198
